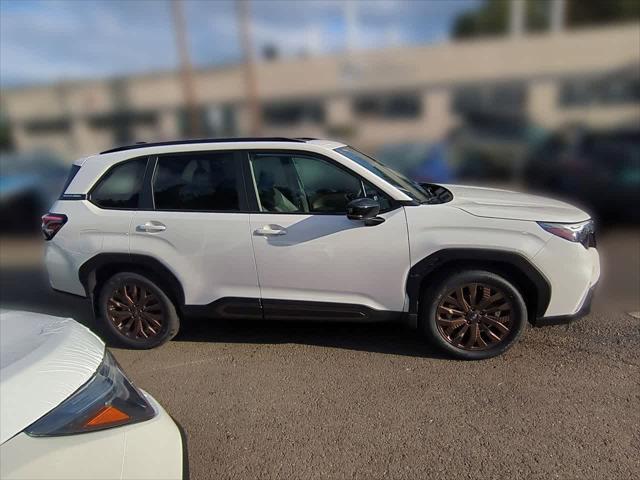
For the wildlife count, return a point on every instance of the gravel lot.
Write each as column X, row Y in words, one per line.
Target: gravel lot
column 282, row 400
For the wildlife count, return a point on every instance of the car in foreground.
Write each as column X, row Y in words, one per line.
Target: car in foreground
column 304, row 229
column 69, row 412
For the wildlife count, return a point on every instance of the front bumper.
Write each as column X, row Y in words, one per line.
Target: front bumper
column 151, row 449
column 572, row 271
column 583, row 311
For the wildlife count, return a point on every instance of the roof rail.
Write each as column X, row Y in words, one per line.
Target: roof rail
column 202, row 140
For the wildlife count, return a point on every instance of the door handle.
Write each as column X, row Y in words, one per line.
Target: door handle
column 151, row 227
column 270, row 230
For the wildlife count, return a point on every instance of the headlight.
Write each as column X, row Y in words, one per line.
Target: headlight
column 107, row 400
column 583, row 232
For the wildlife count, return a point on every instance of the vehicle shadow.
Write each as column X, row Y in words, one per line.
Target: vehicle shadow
column 387, row 338
column 28, row 289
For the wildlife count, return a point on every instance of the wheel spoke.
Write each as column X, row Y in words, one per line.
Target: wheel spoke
column 504, row 306
column 474, row 334
column 128, row 323
column 495, row 323
column 117, row 303
column 493, row 338
column 451, row 322
column 150, row 319
column 458, row 338
column 463, row 303
column 450, row 299
column 486, row 302
column 480, row 342
column 473, row 288
column 126, row 295
column 450, row 311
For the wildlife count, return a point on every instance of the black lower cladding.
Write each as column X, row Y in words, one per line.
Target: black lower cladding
column 269, row 309
column 585, row 309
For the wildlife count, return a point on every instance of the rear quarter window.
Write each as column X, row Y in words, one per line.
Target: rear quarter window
column 72, row 173
column 120, row 187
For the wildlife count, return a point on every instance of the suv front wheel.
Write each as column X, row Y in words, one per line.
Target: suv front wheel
column 136, row 312
column 473, row 314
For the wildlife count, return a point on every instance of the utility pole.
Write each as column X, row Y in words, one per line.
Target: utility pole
column 351, row 20
column 557, row 14
column 250, row 81
column 517, row 13
column 186, row 70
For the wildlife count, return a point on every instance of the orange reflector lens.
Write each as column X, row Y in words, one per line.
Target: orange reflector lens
column 107, row 416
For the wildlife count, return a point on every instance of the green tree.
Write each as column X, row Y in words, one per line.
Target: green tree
column 492, row 17
column 592, row 12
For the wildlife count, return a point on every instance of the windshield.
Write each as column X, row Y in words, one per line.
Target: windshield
column 402, row 183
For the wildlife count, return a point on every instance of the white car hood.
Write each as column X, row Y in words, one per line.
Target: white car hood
column 43, row 360
column 496, row 203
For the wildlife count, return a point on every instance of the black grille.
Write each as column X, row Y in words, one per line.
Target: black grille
column 589, row 240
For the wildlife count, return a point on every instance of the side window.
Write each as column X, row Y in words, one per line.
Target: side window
column 279, row 189
column 372, row 192
column 197, row 182
column 120, row 187
column 301, row 184
column 328, row 188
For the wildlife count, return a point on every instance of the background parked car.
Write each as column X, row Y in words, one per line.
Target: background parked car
column 29, row 183
column 600, row 170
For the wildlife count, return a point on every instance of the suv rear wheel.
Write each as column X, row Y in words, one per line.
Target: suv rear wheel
column 136, row 312
column 473, row 314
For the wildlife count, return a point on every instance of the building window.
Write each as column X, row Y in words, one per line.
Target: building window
column 497, row 98
column 392, row 106
column 214, row 121
column 43, row 126
column 609, row 90
column 293, row 112
column 122, row 123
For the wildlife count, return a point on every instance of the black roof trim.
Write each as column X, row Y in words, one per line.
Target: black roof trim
column 203, row 140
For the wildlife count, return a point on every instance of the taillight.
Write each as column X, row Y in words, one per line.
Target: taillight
column 51, row 223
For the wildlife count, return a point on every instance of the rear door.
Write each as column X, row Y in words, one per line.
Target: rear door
column 312, row 260
column 198, row 226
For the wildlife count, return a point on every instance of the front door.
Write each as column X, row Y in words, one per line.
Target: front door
column 312, row 260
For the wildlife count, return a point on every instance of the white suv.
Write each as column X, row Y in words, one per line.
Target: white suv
column 278, row 228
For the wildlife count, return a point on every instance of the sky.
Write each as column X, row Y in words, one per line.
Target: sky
column 44, row 41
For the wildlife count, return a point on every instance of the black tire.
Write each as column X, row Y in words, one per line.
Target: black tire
column 441, row 321
column 139, row 329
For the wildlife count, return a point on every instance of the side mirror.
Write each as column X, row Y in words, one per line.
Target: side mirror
column 365, row 209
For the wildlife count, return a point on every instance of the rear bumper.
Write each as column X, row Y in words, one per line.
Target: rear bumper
column 583, row 311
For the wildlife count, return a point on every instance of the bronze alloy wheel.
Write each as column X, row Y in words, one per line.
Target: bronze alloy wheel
column 474, row 316
column 135, row 311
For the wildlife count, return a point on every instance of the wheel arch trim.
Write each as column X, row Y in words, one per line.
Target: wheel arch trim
column 88, row 279
column 498, row 259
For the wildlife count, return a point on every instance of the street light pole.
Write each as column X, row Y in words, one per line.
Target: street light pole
column 250, row 81
column 186, row 70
